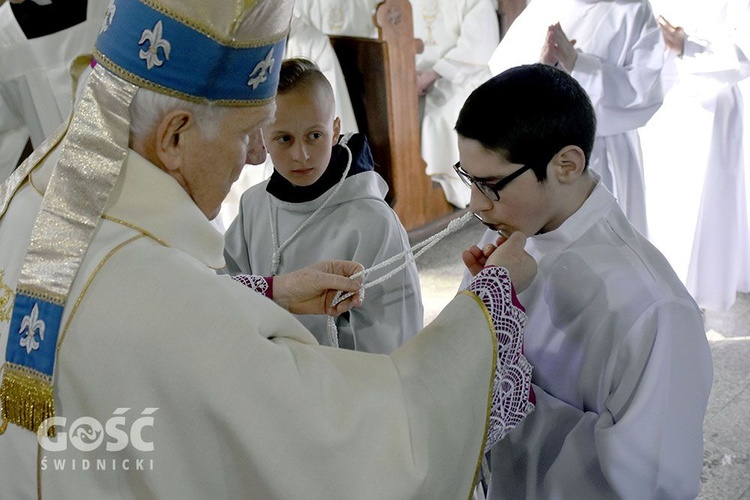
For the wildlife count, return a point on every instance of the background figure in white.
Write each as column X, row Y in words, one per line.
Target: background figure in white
column 35, row 84
column 619, row 53
column 459, row 37
column 695, row 143
column 309, row 42
column 340, row 17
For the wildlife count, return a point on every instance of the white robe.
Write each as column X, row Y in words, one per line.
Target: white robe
column 304, row 41
column 248, row 404
column 357, row 224
column 459, row 37
column 340, row 17
column 620, row 57
column 697, row 195
column 622, row 369
column 35, row 84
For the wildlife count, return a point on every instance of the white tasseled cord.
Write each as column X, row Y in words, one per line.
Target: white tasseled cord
column 276, row 258
column 409, row 256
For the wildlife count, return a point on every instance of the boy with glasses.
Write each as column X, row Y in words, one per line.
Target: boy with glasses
column 622, row 368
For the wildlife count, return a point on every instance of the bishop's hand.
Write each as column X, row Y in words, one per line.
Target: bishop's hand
column 311, row 290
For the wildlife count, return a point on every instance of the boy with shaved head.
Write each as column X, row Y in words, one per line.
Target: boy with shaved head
column 325, row 201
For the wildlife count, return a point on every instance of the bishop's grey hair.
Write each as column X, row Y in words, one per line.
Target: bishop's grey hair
column 149, row 107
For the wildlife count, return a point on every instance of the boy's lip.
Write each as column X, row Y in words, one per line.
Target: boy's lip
column 302, row 171
column 500, row 229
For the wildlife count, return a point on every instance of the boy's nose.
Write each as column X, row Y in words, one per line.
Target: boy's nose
column 479, row 202
column 300, row 152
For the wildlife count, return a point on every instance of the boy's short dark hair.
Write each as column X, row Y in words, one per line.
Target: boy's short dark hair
column 298, row 71
column 527, row 114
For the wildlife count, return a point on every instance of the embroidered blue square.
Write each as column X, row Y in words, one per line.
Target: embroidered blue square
column 32, row 337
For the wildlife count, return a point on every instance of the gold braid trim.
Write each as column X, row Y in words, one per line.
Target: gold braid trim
column 6, row 301
column 26, row 397
column 493, row 335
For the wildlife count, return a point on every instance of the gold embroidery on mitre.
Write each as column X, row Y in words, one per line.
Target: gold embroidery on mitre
column 6, row 300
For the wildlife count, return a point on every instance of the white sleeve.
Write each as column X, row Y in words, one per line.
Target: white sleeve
column 626, row 88
column 467, row 62
column 720, row 52
column 236, row 251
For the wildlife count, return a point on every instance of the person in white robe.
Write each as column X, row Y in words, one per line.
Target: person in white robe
column 304, row 41
column 622, row 367
column 617, row 57
column 131, row 369
column 325, row 201
column 35, row 56
column 697, row 137
column 459, row 38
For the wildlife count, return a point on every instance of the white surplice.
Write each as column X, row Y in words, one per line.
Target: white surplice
column 459, row 38
column 35, row 84
column 356, row 224
column 622, row 369
column 697, row 193
column 620, row 57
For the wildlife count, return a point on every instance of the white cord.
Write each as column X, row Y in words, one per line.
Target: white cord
column 276, row 258
column 409, row 256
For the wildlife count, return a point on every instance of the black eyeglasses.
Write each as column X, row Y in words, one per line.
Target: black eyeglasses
column 490, row 189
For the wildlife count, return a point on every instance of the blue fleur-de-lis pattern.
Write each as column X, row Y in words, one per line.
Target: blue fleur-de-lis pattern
column 148, row 47
column 33, row 332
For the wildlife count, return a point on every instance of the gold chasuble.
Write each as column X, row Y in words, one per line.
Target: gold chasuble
column 131, row 369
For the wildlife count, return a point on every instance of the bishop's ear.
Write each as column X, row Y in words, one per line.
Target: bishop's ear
column 172, row 132
column 570, row 163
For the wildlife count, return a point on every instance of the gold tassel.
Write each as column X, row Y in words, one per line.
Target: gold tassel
column 26, row 398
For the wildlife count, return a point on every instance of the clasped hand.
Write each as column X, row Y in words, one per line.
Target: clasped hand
column 558, row 50
column 505, row 252
column 674, row 36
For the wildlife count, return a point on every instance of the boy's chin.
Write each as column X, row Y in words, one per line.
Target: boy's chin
column 302, row 179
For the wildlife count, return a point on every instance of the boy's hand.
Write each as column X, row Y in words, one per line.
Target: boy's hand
column 475, row 258
column 508, row 253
